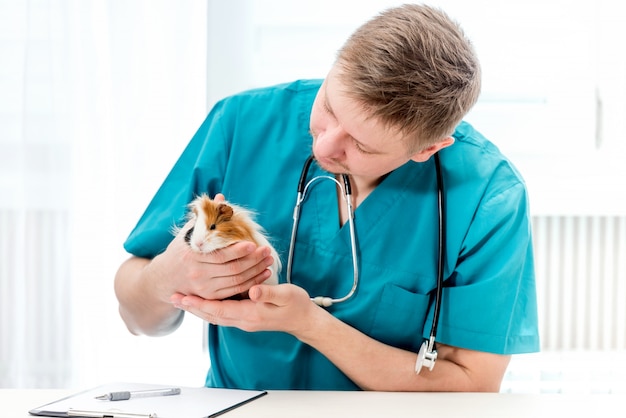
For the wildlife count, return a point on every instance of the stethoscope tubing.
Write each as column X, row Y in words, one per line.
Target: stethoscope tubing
column 441, row 257
column 427, row 355
column 429, row 346
column 346, row 189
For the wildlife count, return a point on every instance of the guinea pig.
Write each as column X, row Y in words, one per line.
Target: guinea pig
column 220, row 224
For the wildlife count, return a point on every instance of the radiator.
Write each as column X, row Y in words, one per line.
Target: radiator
column 35, row 299
column 581, row 281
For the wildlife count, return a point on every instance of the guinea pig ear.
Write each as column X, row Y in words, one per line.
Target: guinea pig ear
column 192, row 213
column 224, row 211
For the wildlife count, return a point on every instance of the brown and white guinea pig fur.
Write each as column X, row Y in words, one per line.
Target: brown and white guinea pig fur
column 220, row 224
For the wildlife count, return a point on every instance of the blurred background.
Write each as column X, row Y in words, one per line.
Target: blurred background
column 99, row 97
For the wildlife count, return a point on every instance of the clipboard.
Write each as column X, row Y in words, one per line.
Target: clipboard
column 193, row 402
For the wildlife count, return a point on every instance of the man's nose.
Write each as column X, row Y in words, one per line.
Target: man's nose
column 332, row 142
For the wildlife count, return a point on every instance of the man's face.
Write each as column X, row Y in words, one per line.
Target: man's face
column 346, row 140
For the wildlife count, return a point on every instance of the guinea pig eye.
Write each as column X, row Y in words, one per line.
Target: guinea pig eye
column 212, row 227
column 188, row 235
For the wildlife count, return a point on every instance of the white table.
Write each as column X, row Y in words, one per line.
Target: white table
column 15, row 403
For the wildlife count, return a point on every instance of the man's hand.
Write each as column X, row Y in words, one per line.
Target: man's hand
column 285, row 307
column 144, row 287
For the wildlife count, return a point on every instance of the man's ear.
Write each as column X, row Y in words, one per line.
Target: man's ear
column 428, row 152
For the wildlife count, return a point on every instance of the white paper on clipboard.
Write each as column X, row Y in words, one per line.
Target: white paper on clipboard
column 199, row 402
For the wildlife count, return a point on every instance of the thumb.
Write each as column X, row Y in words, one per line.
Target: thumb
column 219, row 197
column 264, row 293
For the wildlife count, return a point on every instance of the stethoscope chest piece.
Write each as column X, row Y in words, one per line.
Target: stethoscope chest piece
column 426, row 357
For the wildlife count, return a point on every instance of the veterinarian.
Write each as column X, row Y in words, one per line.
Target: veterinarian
column 388, row 116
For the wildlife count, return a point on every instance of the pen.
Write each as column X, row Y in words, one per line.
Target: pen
column 106, row 414
column 127, row 394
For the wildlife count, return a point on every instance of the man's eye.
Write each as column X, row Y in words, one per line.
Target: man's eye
column 360, row 149
column 326, row 108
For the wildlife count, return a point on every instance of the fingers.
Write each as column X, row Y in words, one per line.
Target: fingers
column 229, row 313
column 282, row 307
column 229, row 286
column 233, row 253
column 209, row 310
column 231, row 270
column 240, row 259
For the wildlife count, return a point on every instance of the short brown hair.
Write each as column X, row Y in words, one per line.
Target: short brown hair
column 412, row 67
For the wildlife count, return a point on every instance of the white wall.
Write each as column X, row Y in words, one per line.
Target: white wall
column 553, row 87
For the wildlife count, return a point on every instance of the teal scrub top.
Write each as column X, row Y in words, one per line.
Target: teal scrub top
column 252, row 147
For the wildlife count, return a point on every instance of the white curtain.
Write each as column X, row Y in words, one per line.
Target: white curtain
column 98, row 100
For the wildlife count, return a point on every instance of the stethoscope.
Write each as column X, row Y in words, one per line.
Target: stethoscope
column 346, row 190
column 427, row 355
